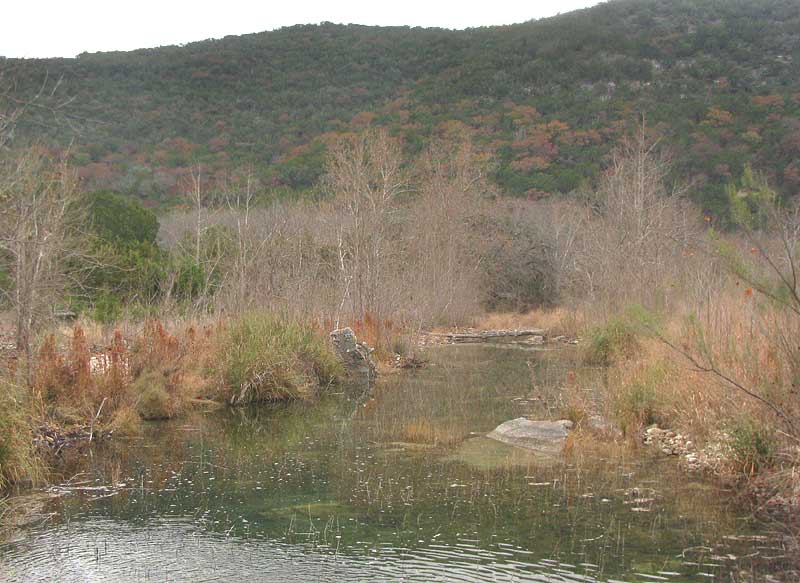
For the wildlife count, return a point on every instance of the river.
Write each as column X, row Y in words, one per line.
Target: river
column 398, row 487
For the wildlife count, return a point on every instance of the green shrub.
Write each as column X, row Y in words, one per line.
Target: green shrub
column 265, row 358
column 18, row 458
column 752, row 443
column 637, row 402
column 153, row 398
column 614, row 340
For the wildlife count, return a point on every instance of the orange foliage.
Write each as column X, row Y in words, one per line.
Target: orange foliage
column 768, row 100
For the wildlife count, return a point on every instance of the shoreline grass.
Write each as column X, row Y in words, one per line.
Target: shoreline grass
column 159, row 373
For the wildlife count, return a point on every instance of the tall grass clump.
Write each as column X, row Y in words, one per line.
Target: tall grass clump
column 753, row 444
column 262, row 357
column 638, row 394
column 18, row 458
column 614, row 340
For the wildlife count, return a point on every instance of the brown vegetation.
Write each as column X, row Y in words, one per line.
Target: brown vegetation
column 694, row 326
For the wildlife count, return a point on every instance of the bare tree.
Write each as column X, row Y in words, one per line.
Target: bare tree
column 39, row 105
column 365, row 175
column 40, row 240
column 636, row 241
column 445, row 244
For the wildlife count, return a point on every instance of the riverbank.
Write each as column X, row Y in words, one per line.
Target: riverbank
column 82, row 391
column 717, row 398
column 404, row 486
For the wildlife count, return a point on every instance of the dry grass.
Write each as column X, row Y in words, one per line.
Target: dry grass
column 158, row 371
column 670, row 386
column 18, row 459
column 421, row 430
column 556, row 321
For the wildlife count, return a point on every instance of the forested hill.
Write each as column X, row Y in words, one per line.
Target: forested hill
column 548, row 98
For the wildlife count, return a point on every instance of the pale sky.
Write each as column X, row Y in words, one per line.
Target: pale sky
column 65, row 28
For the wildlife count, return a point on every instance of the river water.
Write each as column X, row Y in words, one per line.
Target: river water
column 398, row 487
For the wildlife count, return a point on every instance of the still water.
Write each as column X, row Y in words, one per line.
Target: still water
column 397, row 487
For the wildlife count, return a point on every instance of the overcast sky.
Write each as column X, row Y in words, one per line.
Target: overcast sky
column 64, row 28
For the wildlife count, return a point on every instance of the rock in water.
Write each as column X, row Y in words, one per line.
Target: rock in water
column 355, row 356
column 542, row 436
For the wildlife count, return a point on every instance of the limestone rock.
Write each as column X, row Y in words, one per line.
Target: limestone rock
column 542, row 436
column 355, row 356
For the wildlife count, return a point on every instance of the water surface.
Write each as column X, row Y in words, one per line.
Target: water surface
column 399, row 487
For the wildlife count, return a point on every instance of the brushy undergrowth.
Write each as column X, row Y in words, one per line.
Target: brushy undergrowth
column 753, row 444
column 155, row 397
column 262, row 357
column 19, row 461
column 637, row 396
column 615, row 340
column 620, row 337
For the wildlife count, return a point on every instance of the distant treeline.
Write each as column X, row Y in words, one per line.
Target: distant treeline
column 545, row 100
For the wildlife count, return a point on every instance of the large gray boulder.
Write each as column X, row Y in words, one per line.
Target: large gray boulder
column 541, row 436
column 355, row 356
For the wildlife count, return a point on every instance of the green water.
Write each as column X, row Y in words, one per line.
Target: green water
column 399, row 487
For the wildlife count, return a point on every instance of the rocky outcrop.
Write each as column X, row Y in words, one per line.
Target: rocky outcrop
column 541, row 436
column 354, row 355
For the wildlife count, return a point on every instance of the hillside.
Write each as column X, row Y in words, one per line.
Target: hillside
column 547, row 99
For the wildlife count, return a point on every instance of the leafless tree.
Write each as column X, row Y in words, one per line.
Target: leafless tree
column 41, row 246
column 635, row 245
column 366, row 177
column 446, row 244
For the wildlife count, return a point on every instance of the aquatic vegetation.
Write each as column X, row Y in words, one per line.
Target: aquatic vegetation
column 286, row 492
column 636, row 398
column 155, row 397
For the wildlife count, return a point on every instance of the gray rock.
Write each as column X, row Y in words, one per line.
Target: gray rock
column 355, row 356
column 542, row 436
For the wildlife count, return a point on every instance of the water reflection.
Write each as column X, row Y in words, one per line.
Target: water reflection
column 398, row 488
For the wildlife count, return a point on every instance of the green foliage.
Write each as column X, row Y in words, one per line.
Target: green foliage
column 122, row 221
column 107, row 308
column 266, row 358
column 619, row 337
column 18, row 457
column 133, row 265
column 753, row 444
column 548, row 98
column 638, row 404
column 751, row 200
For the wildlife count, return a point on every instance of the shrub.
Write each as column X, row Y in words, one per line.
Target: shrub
column 18, row 458
column 614, row 340
column 753, row 445
column 265, row 358
column 126, row 421
column 636, row 398
column 153, row 397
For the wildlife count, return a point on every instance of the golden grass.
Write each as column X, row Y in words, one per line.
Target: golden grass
column 734, row 336
column 556, row 321
column 421, row 430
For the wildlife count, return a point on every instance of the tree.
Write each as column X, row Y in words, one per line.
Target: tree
column 40, row 239
column 366, row 178
column 125, row 236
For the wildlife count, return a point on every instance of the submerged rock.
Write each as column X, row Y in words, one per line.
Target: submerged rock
column 355, row 356
column 541, row 436
column 487, row 454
